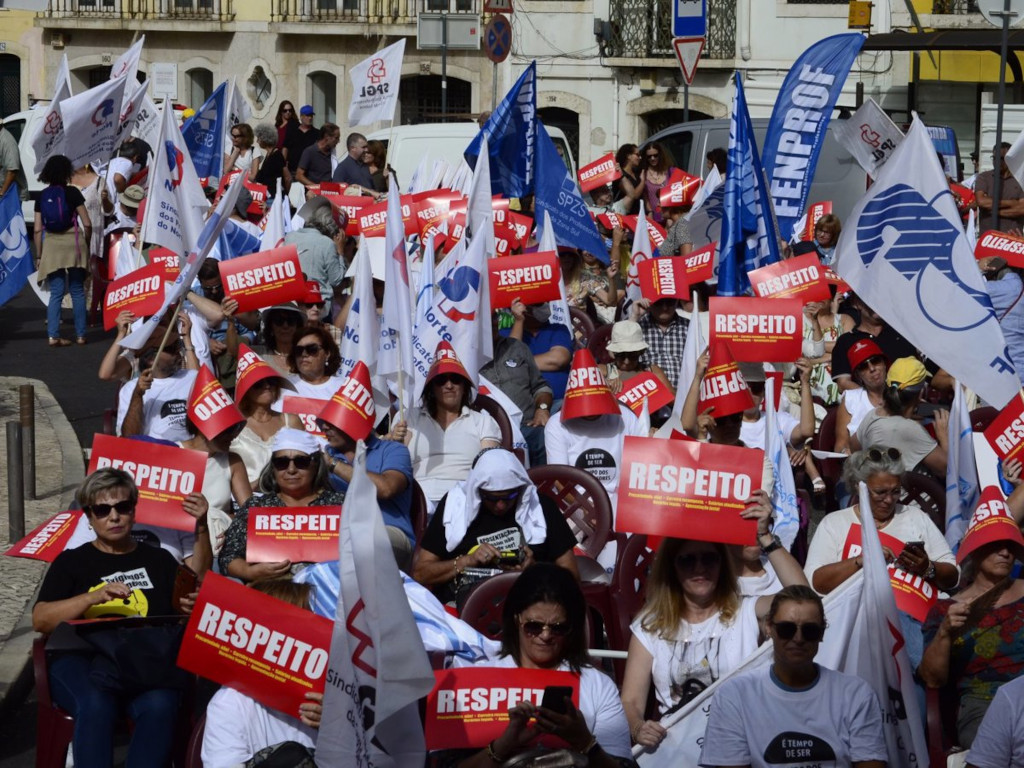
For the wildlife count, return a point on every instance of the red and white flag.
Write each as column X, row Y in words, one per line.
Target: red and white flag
column 641, row 252
column 395, row 357
column 279, row 221
column 378, row 669
column 375, row 82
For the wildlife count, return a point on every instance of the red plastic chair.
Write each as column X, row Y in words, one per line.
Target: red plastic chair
column 418, row 511
column 598, row 345
column 485, row 603
column 941, row 710
column 54, row 726
column 629, row 587
column 831, row 469
column 982, row 418
column 487, row 405
column 927, row 493
column 583, row 327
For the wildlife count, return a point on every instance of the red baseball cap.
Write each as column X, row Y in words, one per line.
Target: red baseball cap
column 863, row 350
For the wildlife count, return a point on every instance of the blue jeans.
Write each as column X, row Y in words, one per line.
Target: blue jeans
column 534, row 437
column 66, row 281
column 95, row 711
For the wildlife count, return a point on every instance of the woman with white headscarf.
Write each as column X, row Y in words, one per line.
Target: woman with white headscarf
column 492, row 522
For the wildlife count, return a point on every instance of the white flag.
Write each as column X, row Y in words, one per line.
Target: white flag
column 49, row 139
column 479, row 210
column 693, row 347
column 378, row 669
column 869, row 135
column 559, row 307
column 785, row 507
column 126, row 67
column 962, row 487
column 1015, row 158
column 128, row 259
column 712, row 182
column 147, row 124
column 375, row 83
column 176, row 203
column 904, row 252
column 236, row 111
column 395, row 356
column 362, row 333
column 641, row 252
column 134, row 96
column 279, row 221
column 62, row 87
column 424, row 330
column 82, row 127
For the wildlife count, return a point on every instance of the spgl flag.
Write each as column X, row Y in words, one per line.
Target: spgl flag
column 375, row 83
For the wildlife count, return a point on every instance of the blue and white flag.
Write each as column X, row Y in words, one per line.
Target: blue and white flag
column 903, row 251
column 559, row 197
column 511, row 133
column 796, row 130
column 204, row 133
column 234, row 241
column 15, row 250
column 785, row 508
column 749, row 236
column 962, row 487
column 395, row 355
column 559, row 307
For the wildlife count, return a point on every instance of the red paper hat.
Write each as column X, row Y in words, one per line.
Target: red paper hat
column 210, row 407
column 991, row 522
column 586, row 394
column 680, row 190
column 446, row 361
column 862, row 350
column 312, row 293
column 252, row 368
column 351, row 410
column 723, row 386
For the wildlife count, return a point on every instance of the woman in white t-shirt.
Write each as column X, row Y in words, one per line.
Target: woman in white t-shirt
column 695, row 628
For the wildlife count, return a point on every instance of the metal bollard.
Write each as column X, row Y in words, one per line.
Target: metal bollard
column 27, row 397
column 15, row 484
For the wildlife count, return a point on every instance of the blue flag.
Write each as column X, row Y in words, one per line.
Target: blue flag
column 749, row 238
column 15, row 250
column 557, row 193
column 204, row 134
column 511, row 135
column 797, row 128
column 234, row 241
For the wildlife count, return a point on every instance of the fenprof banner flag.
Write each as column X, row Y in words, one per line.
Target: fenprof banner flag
column 264, row 279
column 49, row 539
column 165, row 475
column 758, row 330
column 801, row 277
column 1006, row 433
column 297, row 534
column 532, row 278
column 687, row 489
column 600, row 172
column 914, row 595
column 260, row 646
column 140, row 292
column 375, row 85
column 469, row 707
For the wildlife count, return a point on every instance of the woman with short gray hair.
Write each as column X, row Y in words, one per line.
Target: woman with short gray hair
column 272, row 167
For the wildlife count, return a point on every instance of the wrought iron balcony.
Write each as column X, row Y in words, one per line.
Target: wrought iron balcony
column 124, row 10
column 398, row 11
column 642, row 29
column 955, row 7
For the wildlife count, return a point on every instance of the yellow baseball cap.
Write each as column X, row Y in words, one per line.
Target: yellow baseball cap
column 906, row 372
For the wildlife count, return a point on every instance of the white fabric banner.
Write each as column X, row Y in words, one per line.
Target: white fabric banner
column 126, row 67
column 641, row 252
column 785, row 507
column 395, row 356
column 559, row 307
column 91, row 120
column 962, row 487
column 375, row 82
column 278, row 221
column 147, row 124
column 361, row 334
column 378, row 669
column 132, row 109
column 869, row 135
column 904, row 252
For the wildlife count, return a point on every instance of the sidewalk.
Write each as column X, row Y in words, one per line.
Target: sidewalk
column 60, row 468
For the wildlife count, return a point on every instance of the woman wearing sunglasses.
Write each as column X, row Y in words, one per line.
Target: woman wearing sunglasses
column 315, row 360
column 295, row 477
column 695, row 627
column 493, row 521
column 868, row 366
column 544, row 627
column 110, row 576
column 280, row 323
column 757, row 718
column 658, row 167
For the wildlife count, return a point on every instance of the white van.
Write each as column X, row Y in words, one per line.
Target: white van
column 409, row 144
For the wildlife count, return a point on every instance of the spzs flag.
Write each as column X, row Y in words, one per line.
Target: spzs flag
column 904, row 250
column 375, row 85
column 15, row 251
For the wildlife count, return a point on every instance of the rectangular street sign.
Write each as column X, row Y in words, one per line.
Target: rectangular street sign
column 690, row 18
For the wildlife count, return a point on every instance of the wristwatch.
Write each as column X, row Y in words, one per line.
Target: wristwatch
column 543, row 407
column 776, row 543
column 929, row 575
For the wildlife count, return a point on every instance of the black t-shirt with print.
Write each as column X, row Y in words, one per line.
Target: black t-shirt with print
column 149, row 571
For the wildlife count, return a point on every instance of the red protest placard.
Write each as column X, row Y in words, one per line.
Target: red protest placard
column 1004, row 246
column 521, row 224
column 430, row 212
column 645, row 385
column 298, row 534
column 532, row 277
column 140, row 292
column 913, row 594
column 602, row 171
column 687, row 489
column 264, row 279
column 168, row 260
column 373, row 220
column 165, row 475
column 654, row 230
column 504, row 239
column 307, row 409
column 680, row 190
column 1006, row 433
column 833, row 279
column 814, row 212
column 469, row 706
column 611, row 220
column 499, row 203
column 758, row 330
column 352, row 205
column 663, row 278
column 265, row 648
column 49, row 539
column 801, row 277
column 700, row 264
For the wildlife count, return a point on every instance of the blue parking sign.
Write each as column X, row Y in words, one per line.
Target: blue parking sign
column 690, row 18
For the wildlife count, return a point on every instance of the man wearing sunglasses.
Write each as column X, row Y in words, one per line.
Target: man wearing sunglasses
column 795, row 712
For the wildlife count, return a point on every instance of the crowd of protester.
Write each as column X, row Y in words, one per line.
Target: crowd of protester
column 708, row 605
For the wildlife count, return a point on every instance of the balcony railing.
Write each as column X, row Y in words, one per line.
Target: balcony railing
column 399, row 11
column 202, row 10
column 642, row 29
column 955, row 7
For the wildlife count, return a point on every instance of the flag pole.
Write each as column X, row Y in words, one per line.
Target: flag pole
column 170, row 326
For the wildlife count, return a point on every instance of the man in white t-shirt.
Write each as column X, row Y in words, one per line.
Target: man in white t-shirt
column 1000, row 739
column 155, row 403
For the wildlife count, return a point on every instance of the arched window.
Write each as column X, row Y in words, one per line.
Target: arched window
column 420, row 100
column 566, row 120
column 10, row 84
column 199, row 82
column 323, row 95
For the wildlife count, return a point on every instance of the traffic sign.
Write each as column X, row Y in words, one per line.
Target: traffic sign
column 688, row 51
column 498, row 6
column 993, row 11
column 690, row 18
column 498, row 38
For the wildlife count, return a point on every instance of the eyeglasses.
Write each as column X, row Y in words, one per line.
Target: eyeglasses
column 649, row 155
column 706, row 560
column 302, row 461
column 872, row 362
column 126, row 507
column 317, row 304
column 236, row 135
column 536, row 628
column 886, row 493
column 811, row 632
column 308, row 349
column 494, row 498
column 287, row 110
column 284, row 319
column 446, row 378
column 877, row 454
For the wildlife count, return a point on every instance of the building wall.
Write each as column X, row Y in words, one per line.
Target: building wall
column 18, row 37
